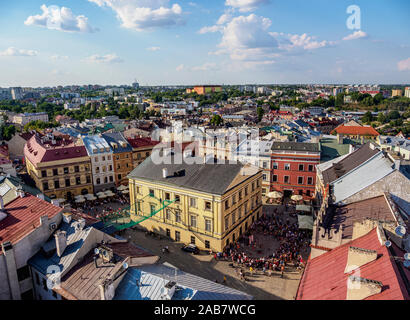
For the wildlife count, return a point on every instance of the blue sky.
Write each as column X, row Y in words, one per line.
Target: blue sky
column 157, row 42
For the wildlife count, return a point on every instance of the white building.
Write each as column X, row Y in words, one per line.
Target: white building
column 24, row 118
column 102, row 162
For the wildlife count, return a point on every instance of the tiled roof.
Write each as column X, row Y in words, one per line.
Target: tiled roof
column 324, row 277
column 23, row 216
column 355, row 130
column 142, row 142
column 296, row 146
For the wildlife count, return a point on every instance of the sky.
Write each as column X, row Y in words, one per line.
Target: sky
column 178, row 42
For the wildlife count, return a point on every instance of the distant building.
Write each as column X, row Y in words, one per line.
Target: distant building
column 356, row 132
column 135, row 85
column 407, row 92
column 201, row 90
column 396, row 93
column 141, row 149
column 17, row 93
column 5, row 94
column 24, row 118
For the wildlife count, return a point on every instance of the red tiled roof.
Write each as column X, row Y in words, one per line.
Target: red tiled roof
column 142, row 142
column 324, row 277
column 356, row 130
column 23, row 216
column 42, row 154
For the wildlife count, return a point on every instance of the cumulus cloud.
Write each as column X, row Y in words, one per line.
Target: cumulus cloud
column 14, row 52
column 62, row 19
column 108, row 58
column 245, row 5
column 306, row 42
column 210, row 29
column 356, row 35
column 153, row 48
column 144, row 14
column 404, row 65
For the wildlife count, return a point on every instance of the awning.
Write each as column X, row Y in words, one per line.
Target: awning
column 122, row 187
column 79, row 200
column 109, row 193
column 296, row 197
column 303, row 207
column 305, row 222
column 274, row 195
column 125, row 191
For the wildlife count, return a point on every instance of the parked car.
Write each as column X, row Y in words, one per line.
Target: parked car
column 190, row 248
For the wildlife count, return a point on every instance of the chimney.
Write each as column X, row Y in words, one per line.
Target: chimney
column 55, row 202
column 360, row 288
column 164, row 173
column 61, row 242
column 358, row 257
column 41, row 196
column 67, row 217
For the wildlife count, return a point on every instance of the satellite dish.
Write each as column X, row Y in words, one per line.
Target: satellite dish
column 400, row 231
column 125, row 265
column 407, row 263
column 407, row 256
column 387, row 243
column 96, row 251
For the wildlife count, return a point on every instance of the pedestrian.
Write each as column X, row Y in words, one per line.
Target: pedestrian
column 224, row 279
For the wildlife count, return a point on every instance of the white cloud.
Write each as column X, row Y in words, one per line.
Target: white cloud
column 180, row 67
column 108, row 58
column 58, row 57
column 306, row 42
column 210, row 29
column 14, row 52
column 245, row 5
column 153, row 48
column 356, row 35
column 205, row 67
column 226, row 17
column 62, row 19
column 404, row 65
column 144, row 14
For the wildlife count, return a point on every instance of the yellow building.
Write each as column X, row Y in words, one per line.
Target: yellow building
column 59, row 168
column 396, row 93
column 209, row 205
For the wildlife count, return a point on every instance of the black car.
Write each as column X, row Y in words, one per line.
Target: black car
column 190, row 248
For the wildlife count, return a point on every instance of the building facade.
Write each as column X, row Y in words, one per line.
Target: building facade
column 102, row 162
column 294, row 168
column 201, row 90
column 24, row 118
column 189, row 207
column 141, row 149
column 122, row 156
column 59, row 168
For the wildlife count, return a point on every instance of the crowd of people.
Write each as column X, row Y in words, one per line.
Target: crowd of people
column 102, row 207
column 291, row 240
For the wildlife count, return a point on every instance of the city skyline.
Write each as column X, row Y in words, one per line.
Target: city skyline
column 49, row 43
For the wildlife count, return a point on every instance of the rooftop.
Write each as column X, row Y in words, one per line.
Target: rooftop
column 356, row 130
column 296, row 146
column 324, row 277
column 142, row 142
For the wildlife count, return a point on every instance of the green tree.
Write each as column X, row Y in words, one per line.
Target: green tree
column 260, row 112
column 216, row 120
column 368, row 117
column 381, row 118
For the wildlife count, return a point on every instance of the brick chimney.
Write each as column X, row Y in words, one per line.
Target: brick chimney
column 358, row 257
column 61, row 242
column 360, row 288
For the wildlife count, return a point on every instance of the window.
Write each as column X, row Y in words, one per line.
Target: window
column 44, row 173
column 208, row 225
column 110, row 167
column 66, row 170
column 76, row 169
column 177, row 199
column 207, row 244
column 45, row 186
column 151, row 193
column 97, row 169
column 310, row 168
column 301, row 167
column 240, row 195
column 274, row 178
column 168, row 233
column 264, row 164
column 308, row 193
column 263, row 190
column 96, row 159
column 226, row 222
column 286, row 179
column 192, row 202
column 310, row 180
column 246, row 191
column 178, row 216
column 300, row 180
column 168, row 214
column 192, row 240
column 208, row 205
column 103, row 158
column 239, row 213
column 78, row 180
column 226, row 205
column 177, row 236
column 287, row 166
column 301, row 192
column 23, row 273
column 56, row 184
column 193, row 221
column 118, row 166
column 105, row 180
column 55, row 172
column 253, row 186
column 264, row 177
column 98, row 181
column 152, row 208
column 111, row 178
column 233, row 217
column 233, row 199
column 67, row 182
